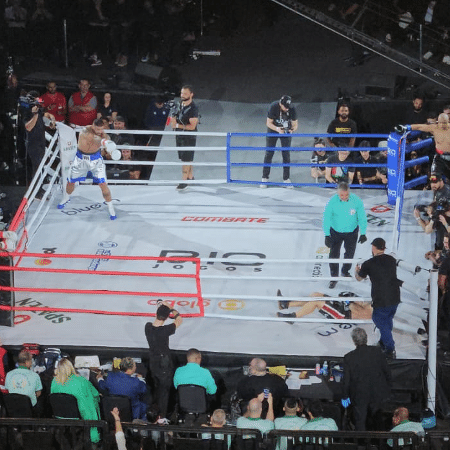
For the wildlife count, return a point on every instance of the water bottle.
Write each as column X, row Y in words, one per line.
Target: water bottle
column 325, row 369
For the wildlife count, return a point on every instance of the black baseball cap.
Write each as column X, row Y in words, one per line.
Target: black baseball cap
column 435, row 177
column 379, row 243
column 286, row 101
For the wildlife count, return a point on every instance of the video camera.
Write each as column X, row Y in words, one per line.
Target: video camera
column 29, row 100
column 440, row 209
column 173, row 107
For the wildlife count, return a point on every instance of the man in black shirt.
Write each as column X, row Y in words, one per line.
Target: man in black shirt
column 416, row 113
column 186, row 119
column 161, row 366
column 382, row 271
column 250, row 387
column 281, row 119
column 33, row 119
column 342, row 125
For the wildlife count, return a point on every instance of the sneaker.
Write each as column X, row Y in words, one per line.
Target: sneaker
column 332, row 284
column 282, row 304
column 113, row 217
column 282, row 314
column 288, row 181
column 123, row 61
column 145, row 58
column 62, row 205
column 264, row 180
column 97, row 62
column 181, row 186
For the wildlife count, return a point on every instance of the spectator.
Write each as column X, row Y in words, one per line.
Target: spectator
column 218, row 420
column 128, row 382
column 68, row 382
column 342, row 125
column 259, row 380
column 253, row 418
column 317, row 421
column 161, row 366
column 16, row 18
column 155, row 119
column 54, row 102
column 401, row 423
column 97, row 30
column 381, row 158
column 438, row 256
column 119, row 434
column 3, row 366
column 148, row 27
column 23, row 381
column 125, row 172
column 416, row 112
column 340, row 174
column 121, row 15
column 440, row 189
column 108, row 109
column 82, row 105
column 290, row 421
column 366, row 380
column 192, row 373
column 41, row 27
column 366, row 175
column 319, row 156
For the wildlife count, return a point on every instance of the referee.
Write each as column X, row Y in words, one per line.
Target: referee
column 343, row 219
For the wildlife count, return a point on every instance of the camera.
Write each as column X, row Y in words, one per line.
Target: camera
column 287, row 126
column 173, row 107
column 29, row 100
column 421, row 208
column 440, row 209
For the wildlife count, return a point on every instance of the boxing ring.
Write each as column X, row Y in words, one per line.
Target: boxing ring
column 218, row 252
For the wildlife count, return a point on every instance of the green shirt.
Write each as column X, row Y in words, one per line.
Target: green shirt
column 344, row 217
column 263, row 425
column 406, row 425
column 288, row 423
column 87, row 398
column 192, row 373
column 23, row 381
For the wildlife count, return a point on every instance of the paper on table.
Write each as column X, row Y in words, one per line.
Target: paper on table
column 294, row 382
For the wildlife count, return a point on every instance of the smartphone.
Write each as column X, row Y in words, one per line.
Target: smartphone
column 266, row 393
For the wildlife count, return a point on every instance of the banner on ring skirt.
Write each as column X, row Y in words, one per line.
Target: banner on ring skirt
column 67, row 148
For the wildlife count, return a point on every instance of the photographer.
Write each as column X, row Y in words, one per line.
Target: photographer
column 439, row 220
column 281, row 119
column 35, row 121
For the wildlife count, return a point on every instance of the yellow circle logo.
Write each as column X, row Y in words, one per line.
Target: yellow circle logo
column 231, row 305
column 42, row 261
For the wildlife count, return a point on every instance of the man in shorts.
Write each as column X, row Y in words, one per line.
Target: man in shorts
column 89, row 159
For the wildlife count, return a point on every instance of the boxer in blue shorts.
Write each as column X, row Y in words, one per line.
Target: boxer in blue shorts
column 89, row 159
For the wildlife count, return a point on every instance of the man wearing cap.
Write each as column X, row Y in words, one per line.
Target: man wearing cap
column 439, row 188
column 382, row 271
column 344, row 217
column 281, row 119
column 161, row 366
